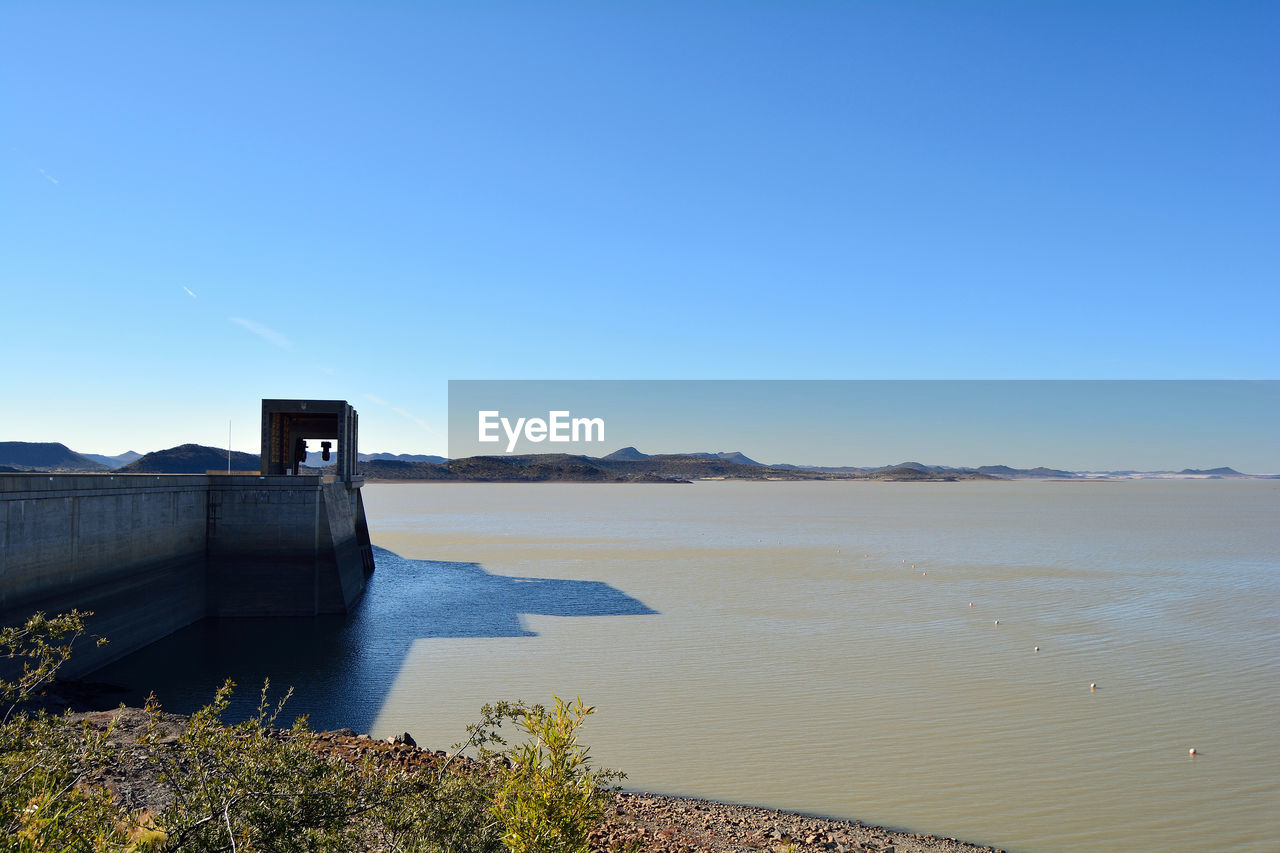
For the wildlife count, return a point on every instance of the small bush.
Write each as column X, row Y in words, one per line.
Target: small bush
column 45, row 801
column 550, row 798
column 253, row 787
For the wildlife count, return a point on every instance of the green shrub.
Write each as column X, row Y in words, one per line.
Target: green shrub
column 550, row 798
column 46, row 803
column 252, row 787
column 265, row 789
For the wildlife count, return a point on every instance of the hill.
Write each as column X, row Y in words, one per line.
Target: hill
column 1024, row 473
column 903, row 471
column 114, row 462
column 542, row 468
column 45, row 456
column 735, row 456
column 631, row 454
column 190, row 459
column 404, row 457
column 314, row 459
column 1212, row 472
column 398, row 469
column 693, row 466
column 626, row 454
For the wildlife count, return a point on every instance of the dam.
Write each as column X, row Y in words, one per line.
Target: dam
column 152, row 553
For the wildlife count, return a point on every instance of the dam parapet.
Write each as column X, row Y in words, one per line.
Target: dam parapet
column 152, row 553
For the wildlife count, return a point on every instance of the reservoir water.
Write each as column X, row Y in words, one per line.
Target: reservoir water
column 827, row 647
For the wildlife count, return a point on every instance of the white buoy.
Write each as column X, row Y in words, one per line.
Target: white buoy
column 1093, row 686
column 1193, row 751
column 970, row 603
column 1037, row 648
column 997, row 621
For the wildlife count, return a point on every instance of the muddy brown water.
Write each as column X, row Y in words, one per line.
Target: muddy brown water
column 812, row 646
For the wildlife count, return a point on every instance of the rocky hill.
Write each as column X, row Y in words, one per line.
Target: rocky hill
column 631, row 454
column 403, row 457
column 1007, row 473
column 45, row 456
column 190, row 459
column 315, row 458
column 626, row 454
column 395, row 469
column 555, row 467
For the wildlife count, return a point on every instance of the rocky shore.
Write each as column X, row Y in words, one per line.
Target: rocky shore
column 646, row 823
column 666, row 824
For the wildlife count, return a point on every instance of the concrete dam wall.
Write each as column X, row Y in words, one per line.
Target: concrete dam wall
column 150, row 554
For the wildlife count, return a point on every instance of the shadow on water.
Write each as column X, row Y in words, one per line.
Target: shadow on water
column 341, row 668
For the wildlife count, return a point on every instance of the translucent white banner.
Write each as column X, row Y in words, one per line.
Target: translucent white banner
column 1074, row 425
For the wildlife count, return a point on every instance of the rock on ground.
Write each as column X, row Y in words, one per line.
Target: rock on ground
column 680, row 825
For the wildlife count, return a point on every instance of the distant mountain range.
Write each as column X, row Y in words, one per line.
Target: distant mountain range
column 661, row 468
column 625, row 465
column 543, row 467
column 632, row 465
column 1002, row 472
column 114, row 461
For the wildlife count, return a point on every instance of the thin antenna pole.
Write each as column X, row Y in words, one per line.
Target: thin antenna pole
column 228, row 445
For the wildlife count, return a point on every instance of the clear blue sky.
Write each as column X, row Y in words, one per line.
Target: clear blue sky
column 204, row 204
